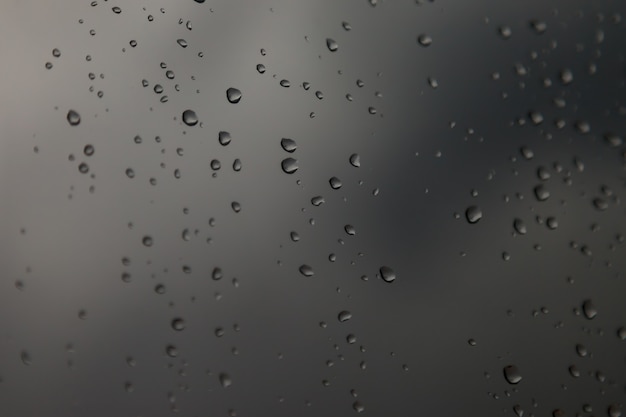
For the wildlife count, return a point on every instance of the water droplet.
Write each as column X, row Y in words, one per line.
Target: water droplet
column 217, row 274
column 344, row 315
column 512, row 374
column 178, row 324
column 215, row 164
column 190, row 118
column 552, row 223
column 335, row 183
column 48, row 65
column 285, row 83
column 159, row 289
column 73, row 117
column 542, row 193
column 83, row 168
column 306, row 270
column 224, row 138
column 600, row 204
column 260, row 68
column 318, row 201
column 347, row 26
column 355, row 160
column 130, row 173
column 289, row 145
column 332, row 45
column 589, row 309
column 171, row 351
column 26, row 358
column 56, row 53
column 116, row 10
column 387, row 274
column 505, row 32
column 518, row 410
column 581, row 350
column 225, row 380
column 237, row 165
column 357, row 406
column 169, row 74
column 539, row 27
column 182, row 43
column 233, row 95
column 614, row 410
column 519, row 226
column 566, row 76
column 424, row 40
column 471, row 342
column 289, row 165
column 621, row 333
column 473, row 214
column 147, row 241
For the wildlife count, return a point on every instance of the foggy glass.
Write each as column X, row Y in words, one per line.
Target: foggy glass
column 312, row 208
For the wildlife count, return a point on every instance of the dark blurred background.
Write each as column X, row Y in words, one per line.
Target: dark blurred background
column 451, row 242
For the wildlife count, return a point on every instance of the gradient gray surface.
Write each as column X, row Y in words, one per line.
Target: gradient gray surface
column 70, row 320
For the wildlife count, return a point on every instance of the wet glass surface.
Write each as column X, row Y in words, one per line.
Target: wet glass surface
column 278, row 208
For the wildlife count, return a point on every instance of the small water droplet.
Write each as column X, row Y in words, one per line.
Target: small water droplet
column 56, row 53
column 147, row 241
column 505, row 32
column 225, row 380
column 357, row 406
column 347, row 26
column 178, row 324
column 285, row 83
column 171, row 351
column 182, row 43
column 566, row 76
column 217, row 274
column 233, row 95
column 73, row 117
column 424, row 40
column 26, row 358
column 116, row 10
column 318, row 201
column 260, row 68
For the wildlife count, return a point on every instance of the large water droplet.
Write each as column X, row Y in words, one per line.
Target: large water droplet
column 332, row 45
column 542, row 193
column 233, row 95
column 520, row 226
column 589, row 309
column 355, row 160
column 217, row 274
column 289, row 145
column 335, row 183
column 512, row 374
column 73, row 117
column 387, row 274
column 344, row 316
column 289, row 165
column 190, row 118
column 473, row 214
column 182, row 42
column 224, row 138
column 306, row 270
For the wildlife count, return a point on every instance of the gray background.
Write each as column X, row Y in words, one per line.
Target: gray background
column 69, row 322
